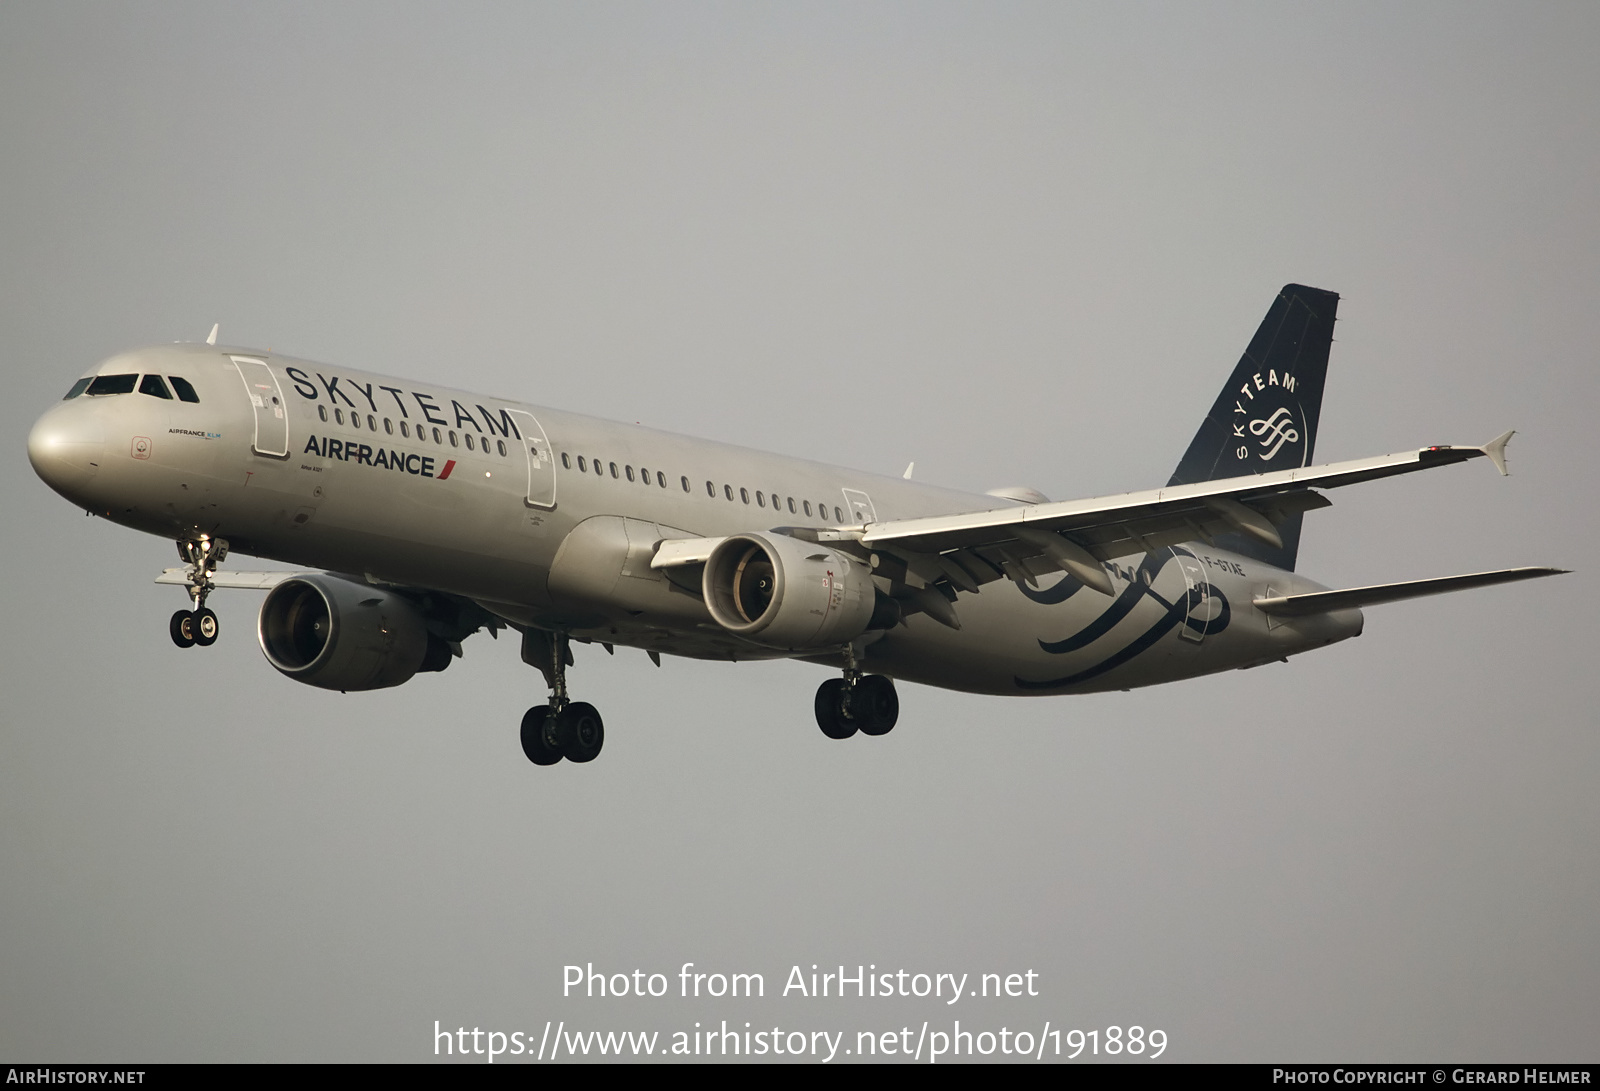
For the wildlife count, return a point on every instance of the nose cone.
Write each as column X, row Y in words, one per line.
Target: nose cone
column 66, row 447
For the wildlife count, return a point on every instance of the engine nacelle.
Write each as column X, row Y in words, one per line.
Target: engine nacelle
column 784, row 593
column 339, row 634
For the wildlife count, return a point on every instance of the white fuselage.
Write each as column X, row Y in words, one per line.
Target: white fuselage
column 549, row 518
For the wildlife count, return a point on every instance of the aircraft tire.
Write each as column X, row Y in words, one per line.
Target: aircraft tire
column 533, row 737
column 874, row 705
column 206, row 627
column 585, row 732
column 830, row 709
column 182, row 629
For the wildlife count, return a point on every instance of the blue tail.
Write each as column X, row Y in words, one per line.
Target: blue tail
column 1266, row 417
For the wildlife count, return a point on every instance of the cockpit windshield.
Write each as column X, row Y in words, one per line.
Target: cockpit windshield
column 153, row 386
column 112, row 384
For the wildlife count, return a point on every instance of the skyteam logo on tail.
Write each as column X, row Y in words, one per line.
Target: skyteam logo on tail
column 1267, row 421
column 1276, row 430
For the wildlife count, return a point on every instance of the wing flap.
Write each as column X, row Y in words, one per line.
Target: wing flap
column 1321, row 602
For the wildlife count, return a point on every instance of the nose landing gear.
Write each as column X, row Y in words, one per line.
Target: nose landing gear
column 191, row 627
column 564, row 728
column 198, row 626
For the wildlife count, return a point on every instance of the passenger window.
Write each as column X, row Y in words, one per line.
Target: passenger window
column 808, row 508
column 599, row 470
column 501, row 444
column 111, row 384
column 469, row 441
column 711, row 490
column 372, row 422
column 388, row 426
column 661, row 480
column 185, row 391
column 566, row 463
column 322, row 411
column 791, row 505
column 761, row 501
column 614, row 470
column 630, row 473
column 727, row 491
column 838, row 516
column 338, row 416
column 583, row 465
column 437, row 438
column 153, row 386
column 355, row 421
column 453, row 440
column 405, row 429
column 78, row 388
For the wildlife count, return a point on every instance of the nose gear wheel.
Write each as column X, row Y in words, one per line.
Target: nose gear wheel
column 198, row 627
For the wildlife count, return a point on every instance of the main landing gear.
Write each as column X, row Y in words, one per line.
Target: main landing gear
column 200, row 625
column 857, row 702
column 564, row 728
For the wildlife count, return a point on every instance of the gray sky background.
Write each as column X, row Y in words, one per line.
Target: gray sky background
column 1016, row 243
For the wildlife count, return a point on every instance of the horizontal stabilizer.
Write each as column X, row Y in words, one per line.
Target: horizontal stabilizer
column 1321, row 602
column 249, row 581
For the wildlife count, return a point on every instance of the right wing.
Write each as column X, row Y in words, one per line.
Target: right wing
column 250, row 581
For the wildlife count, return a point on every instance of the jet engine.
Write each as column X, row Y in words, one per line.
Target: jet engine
column 339, row 634
column 784, row 593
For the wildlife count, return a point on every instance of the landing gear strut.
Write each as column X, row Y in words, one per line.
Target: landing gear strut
column 564, row 728
column 200, row 625
column 857, row 702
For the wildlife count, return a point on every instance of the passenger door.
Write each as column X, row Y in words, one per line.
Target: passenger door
column 266, row 399
column 541, row 461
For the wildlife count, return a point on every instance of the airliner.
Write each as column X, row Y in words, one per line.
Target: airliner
column 422, row 515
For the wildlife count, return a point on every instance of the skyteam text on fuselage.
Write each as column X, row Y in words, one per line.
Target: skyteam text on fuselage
column 428, row 514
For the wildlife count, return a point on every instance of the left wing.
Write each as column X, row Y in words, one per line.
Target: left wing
column 1020, row 543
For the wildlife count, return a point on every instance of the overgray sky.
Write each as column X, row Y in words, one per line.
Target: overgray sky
column 1018, row 243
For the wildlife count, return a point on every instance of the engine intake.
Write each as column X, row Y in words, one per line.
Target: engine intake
column 339, row 634
column 784, row 593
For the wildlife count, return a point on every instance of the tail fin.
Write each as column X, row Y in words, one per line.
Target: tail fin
column 1266, row 417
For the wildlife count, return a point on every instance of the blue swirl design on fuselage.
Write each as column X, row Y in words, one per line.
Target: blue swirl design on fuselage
column 1177, row 613
column 1049, row 596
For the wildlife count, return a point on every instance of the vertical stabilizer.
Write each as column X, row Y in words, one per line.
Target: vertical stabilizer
column 1266, row 416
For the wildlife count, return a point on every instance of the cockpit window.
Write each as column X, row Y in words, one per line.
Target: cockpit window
column 112, row 384
column 185, row 391
column 153, row 386
column 78, row 388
